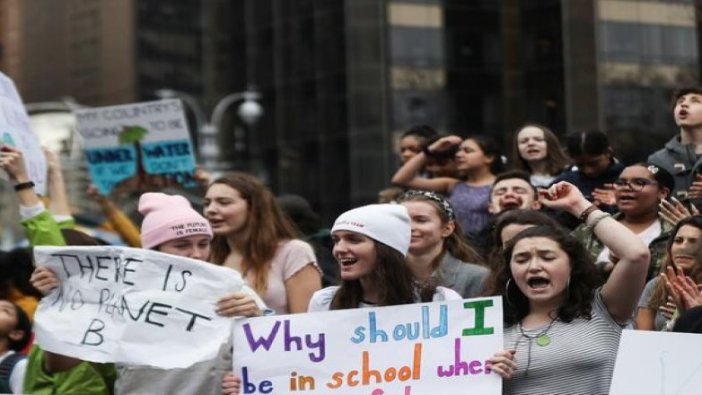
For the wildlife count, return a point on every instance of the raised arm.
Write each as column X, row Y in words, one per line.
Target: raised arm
column 12, row 162
column 408, row 175
column 127, row 230
column 57, row 188
column 621, row 291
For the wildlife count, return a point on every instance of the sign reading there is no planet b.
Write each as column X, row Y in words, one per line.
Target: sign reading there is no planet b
column 132, row 146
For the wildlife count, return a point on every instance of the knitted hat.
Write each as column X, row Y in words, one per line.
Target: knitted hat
column 385, row 223
column 169, row 217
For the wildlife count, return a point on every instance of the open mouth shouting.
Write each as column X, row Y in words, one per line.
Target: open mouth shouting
column 538, row 283
column 511, row 202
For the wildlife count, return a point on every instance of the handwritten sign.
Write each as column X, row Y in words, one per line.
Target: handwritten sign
column 430, row 348
column 133, row 145
column 658, row 363
column 16, row 131
column 134, row 306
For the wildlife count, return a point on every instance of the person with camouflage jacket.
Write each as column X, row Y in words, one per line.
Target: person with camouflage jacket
column 638, row 191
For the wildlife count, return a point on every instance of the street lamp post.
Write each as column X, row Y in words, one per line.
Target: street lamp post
column 249, row 111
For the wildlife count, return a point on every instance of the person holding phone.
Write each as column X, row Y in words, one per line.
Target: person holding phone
column 638, row 192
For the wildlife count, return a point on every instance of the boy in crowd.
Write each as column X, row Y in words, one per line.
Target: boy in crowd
column 681, row 155
column 511, row 190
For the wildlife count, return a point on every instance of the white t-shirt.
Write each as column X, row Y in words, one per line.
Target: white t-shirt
column 17, row 374
column 647, row 236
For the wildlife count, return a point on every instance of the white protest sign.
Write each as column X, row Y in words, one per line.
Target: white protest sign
column 658, row 363
column 133, row 306
column 431, row 348
column 135, row 144
column 16, row 131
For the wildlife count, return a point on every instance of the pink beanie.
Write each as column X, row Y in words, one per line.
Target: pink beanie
column 169, row 217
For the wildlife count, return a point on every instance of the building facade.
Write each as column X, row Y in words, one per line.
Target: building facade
column 340, row 80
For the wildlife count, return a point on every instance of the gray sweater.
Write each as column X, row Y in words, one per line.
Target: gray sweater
column 464, row 278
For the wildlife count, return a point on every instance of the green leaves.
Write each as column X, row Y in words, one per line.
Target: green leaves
column 132, row 134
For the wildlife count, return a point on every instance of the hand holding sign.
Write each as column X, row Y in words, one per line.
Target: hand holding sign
column 127, row 305
column 12, row 161
column 137, row 146
column 44, row 280
column 428, row 348
column 16, row 131
column 238, row 304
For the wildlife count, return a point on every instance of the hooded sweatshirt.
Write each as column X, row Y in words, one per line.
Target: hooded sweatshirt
column 679, row 160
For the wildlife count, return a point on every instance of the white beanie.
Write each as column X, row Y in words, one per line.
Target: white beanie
column 386, row 223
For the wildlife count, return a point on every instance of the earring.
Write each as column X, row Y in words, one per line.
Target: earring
column 509, row 281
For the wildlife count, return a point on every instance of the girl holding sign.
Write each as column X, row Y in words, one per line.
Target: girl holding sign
column 438, row 250
column 171, row 226
column 561, row 327
column 370, row 244
column 252, row 235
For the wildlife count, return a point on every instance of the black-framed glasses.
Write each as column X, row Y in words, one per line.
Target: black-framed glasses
column 636, row 184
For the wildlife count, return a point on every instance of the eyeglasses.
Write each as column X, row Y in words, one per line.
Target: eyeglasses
column 636, row 184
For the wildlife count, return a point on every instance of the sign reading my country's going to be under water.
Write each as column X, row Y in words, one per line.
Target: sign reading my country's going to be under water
column 431, row 348
column 16, row 131
column 133, row 145
column 133, row 306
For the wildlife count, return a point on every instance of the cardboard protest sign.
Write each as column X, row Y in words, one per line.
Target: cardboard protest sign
column 133, row 306
column 134, row 145
column 16, row 131
column 658, row 363
column 431, row 348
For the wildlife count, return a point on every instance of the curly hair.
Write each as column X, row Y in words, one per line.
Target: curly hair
column 584, row 278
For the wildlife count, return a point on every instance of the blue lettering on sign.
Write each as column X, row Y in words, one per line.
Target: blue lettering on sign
column 172, row 158
column 109, row 166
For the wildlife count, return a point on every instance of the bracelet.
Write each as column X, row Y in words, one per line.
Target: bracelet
column 23, row 185
column 597, row 220
column 586, row 213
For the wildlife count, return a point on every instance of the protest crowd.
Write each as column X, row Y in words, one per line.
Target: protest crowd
column 579, row 247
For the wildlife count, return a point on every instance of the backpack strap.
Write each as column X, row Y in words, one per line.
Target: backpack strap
column 6, row 367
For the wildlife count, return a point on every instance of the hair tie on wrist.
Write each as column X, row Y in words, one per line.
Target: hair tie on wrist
column 583, row 216
column 24, row 185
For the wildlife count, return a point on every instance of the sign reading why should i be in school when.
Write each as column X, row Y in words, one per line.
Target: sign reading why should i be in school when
column 135, row 145
column 16, row 131
column 431, row 348
column 133, row 306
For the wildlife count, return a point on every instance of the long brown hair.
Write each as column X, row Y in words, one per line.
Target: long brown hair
column 659, row 297
column 393, row 277
column 556, row 159
column 266, row 226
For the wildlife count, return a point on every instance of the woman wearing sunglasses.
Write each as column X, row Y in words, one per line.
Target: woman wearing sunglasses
column 638, row 191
